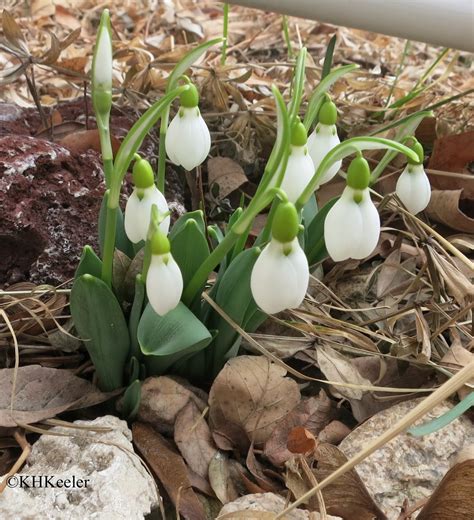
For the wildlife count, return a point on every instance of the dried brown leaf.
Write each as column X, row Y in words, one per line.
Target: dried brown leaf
column 258, row 472
column 79, row 142
column 170, row 468
column 301, row 440
column 445, row 208
column 220, row 478
column 453, row 153
column 252, row 394
column 13, row 33
column 194, row 440
column 42, row 393
column 225, row 176
column 452, row 499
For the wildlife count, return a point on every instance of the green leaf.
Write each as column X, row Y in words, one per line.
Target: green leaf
column 183, row 65
column 135, row 315
column 131, row 400
column 89, row 263
column 317, row 97
column 133, row 369
column 197, row 216
column 121, row 240
column 189, row 248
column 166, row 339
column 310, row 210
column 328, row 57
column 100, row 322
column 315, row 248
column 298, row 85
column 234, row 296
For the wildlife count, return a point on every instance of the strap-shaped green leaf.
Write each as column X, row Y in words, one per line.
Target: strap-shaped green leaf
column 235, row 298
column 166, row 339
column 197, row 216
column 100, row 322
column 189, row 248
column 309, row 211
column 317, row 97
column 131, row 400
column 121, row 240
column 89, row 263
column 314, row 247
column 135, row 315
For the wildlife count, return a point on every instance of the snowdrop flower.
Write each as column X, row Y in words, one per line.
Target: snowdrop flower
column 300, row 168
column 280, row 275
column 164, row 282
column 140, row 202
column 352, row 226
column 413, row 186
column 188, row 140
column 323, row 139
column 102, row 67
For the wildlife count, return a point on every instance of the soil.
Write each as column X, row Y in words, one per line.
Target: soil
column 50, row 195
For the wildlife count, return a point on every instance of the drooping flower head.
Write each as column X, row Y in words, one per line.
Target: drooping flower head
column 164, row 281
column 324, row 138
column 352, row 226
column 188, row 140
column 280, row 275
column 140, row 202
column 413, row 186
column 300, row 168
column 102, row 67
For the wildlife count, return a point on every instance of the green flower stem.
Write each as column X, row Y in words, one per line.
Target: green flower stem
column 286, row 33
column 225, row 32
column 108, row 171
column 109, row 243
column 160, row 181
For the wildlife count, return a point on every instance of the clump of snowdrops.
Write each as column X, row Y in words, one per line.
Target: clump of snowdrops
column 166, row 326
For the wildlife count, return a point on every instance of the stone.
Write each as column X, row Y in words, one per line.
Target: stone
column 110, row 481
column 407, row 467
column 268, row 502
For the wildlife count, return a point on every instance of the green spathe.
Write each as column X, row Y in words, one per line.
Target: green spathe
column 142, row 174
column 418, row 149
column 358, row 174
column 286, row 223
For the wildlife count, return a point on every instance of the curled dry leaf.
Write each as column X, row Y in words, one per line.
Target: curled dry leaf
column 259, row 473
column 193, row 438
column 445, row 207
column 220, row 478
column 170, row 468
column 347, row 496
column 313, row 414
column 163, row 398
column 79, row 142
column 301, row 440
column 251, row 394
column 452, row 499
column 334, row 432
column 225, row 176
column 42, row 393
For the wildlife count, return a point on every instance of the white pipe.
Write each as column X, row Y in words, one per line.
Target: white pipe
column 447, row 23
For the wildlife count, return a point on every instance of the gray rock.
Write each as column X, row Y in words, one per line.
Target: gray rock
column 113, row 483
column 268, row 502
column 407, row 467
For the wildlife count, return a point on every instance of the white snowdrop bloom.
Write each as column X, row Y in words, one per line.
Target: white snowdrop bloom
column 413, row 186
column 280, row 275
column 140, row 202
column 102, row 63
column 164, row 281
column 188, row 140
column 300, row 168
column 323, row 139
column 352, row 226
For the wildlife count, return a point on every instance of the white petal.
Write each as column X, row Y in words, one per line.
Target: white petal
column 164, row 284
column 299, row 171
column 187, row 139
column 301, row 267
column 103, row 60
column 413, row 188
column 274, row 281
column 370, row 228
column 319, row 144
column 343, row 227
column 138, row 212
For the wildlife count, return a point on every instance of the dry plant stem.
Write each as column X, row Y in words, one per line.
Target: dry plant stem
column 439, row 395
column 25, row 446
column 311, row 477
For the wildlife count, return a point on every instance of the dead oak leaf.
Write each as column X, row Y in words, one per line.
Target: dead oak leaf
column 251, row 394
